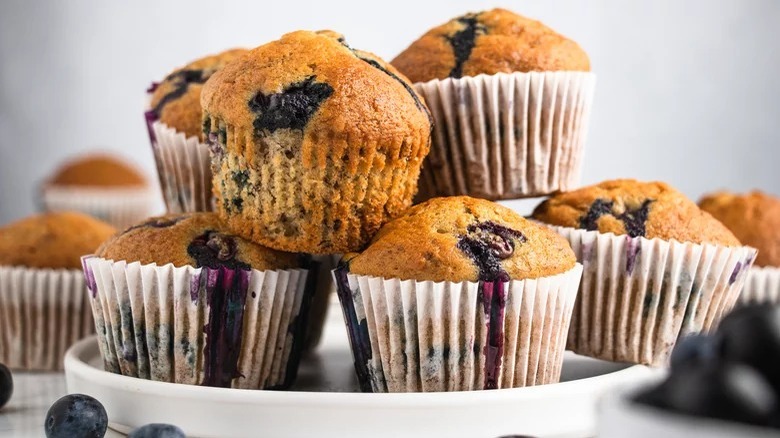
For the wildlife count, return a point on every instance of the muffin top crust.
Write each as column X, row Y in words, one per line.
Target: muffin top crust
column 51, row 240
column 462, row 239
column 314, row 83
column 638, row 209
column 489, row 42
column 753, row 217
column 195, row 239
column 97, row 170
column 176, row 100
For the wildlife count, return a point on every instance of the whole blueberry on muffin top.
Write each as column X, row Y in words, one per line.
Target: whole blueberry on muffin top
column 176, row 100
column 196, row 239
column 51, row 240
column 462, row 239
column 637, row 209
column 753, row 217
column 489, row 42
column 315, row 144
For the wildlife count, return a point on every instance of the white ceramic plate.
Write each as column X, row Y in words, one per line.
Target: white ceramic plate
column 324, row 401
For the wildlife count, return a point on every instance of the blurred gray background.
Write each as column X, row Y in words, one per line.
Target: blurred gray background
column 687, row 91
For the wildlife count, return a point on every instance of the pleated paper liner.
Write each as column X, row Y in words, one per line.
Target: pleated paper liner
column 638, row 295
column 762, row 286
column 42, row 313
column 200, row 326
column 423, row 336
column 506, row 136
column 320, row 303
column 120, row 207
column 184, row 168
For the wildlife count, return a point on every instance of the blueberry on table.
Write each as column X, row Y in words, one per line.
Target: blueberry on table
column 157, row 430
column 6, row 385
column 76, row 415
column 696, row 349
column 751, row 335
column 725, row 391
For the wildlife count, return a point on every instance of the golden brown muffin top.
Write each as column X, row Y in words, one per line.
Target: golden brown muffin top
column 753, row 217
column 489, row 42
column 176, row 100
column 315, row 83
column 97, row 171
column 627, row 206
column 463, row 239
column 51, row 240
column 195, row 239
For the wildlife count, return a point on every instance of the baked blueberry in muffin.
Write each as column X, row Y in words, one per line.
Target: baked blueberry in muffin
column 437, row 269
column 754, row 218
column 637, row 209
column 489, row 42
column 176, row 100
column 315, row 144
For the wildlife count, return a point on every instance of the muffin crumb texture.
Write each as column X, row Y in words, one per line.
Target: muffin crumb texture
column 637, row 209
column 196, row 239
column 489, row 42
column 462, row 239
column 315, row 144
column 753, row 217
column 52, row 240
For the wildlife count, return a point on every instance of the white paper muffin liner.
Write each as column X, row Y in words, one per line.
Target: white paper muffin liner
column 423, row 336
column 324, row 289
column 762, row 286
column 120, row 207
column 506, row 136
column 42, row 313
column 184, row 168
column 199, row 326
column 638, row 295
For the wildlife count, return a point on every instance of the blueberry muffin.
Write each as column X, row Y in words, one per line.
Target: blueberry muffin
column 638, row 209
column 753, row 217
column 462, row 239
column 315, row 144
column 180, row 299
column 656, row 267
column 97, row 171
column 489, row 42
column 176, row 100
column 44, row 306
column 51, row 240
column 196, row 239
column 458, row 294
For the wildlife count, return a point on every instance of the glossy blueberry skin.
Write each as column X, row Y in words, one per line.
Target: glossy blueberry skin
column 694, row 350
column 6, row 385
column 157, row 430
column 724, row 391
column 751, row 335
column 76, row 415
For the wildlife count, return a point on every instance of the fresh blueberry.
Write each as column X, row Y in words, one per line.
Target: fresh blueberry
column 6, row 385
column 751, row 335
column 725, row 391
column 696, row 349
column 76, row 415
column 157, row 430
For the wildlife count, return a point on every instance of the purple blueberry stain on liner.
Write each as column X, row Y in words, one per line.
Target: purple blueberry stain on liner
column 735, row 273
column 225, row 296
column 633, row 251
column 195, row 286
column 89, row 276
column 359, row 338
column 493, row 296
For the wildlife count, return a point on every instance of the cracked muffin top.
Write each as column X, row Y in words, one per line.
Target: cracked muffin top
column 97, row 171
column 489, row 42
column 195, row 239
column 314, row 83
column 753, row 217
column 176, row 100
column 462, row 239
column 638, row 209
column 52, row 240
